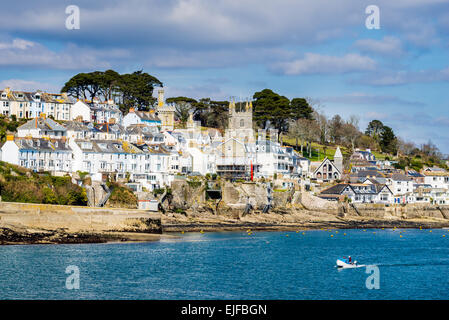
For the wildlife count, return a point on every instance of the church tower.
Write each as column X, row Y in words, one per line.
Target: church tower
column 240, row 124
column 338, row 160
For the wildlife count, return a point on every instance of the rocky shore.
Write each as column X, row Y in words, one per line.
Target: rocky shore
column 288, row 220
column 15, row 235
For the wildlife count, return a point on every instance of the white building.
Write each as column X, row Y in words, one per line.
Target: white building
column 437, row 179
column 42, row 127
column 148, row 118
column 38, row 154
column 80, row 110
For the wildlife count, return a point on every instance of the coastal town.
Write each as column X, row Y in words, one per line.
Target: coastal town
column 146, row 151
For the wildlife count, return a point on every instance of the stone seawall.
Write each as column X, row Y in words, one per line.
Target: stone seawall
column 409, row 211
column 74, row 219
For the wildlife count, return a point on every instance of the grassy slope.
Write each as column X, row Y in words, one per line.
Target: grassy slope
column 18, row 184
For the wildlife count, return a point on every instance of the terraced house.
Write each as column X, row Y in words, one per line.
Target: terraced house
column 101, row 158
column 33, row 104
column 38, row 154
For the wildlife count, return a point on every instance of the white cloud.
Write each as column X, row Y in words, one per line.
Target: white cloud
column 388, row 46
column 20, row 52
column 314, row 63
column 28, row 85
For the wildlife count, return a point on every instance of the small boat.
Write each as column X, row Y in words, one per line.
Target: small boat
column 345, row 264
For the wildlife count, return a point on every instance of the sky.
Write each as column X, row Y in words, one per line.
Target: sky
column 321, row 49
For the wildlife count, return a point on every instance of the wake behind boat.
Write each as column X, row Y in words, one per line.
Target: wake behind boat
column 346, row 263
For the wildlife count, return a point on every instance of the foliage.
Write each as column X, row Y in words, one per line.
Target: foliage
column 270, row 107
column 9, row 125
column 388, row 140
column 21, row 185
column 133, row 90
column 122, row 197
column 211, row 113
column 301, row 109
column 158, row 191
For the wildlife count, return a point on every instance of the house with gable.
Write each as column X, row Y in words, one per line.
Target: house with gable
column 329, row 170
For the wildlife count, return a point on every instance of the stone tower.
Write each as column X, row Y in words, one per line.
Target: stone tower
column 164, row 112
column 240, row 124
column 338, row 160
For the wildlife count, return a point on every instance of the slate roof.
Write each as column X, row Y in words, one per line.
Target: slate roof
column 107, row 146
column 41, row 144
column 43, row 124
column 336, row 189
column 147, row 116
column 367, row 189
column 400, row 177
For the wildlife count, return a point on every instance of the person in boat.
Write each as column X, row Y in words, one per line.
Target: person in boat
column 350, row 260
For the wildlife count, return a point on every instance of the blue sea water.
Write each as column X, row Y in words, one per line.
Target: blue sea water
column 235, row 265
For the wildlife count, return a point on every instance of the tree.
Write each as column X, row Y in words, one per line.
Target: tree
column 336, row 129
column 211, row 113
column 137, row 90
column 183, row 107
column 322, row 122
column 83, row 85
column 108, row 84
column 350, row 134
column 305, row 130
column 388, row 141
column 300, row 109
column 374, row 129
column 131, row 90
column 367, row 142
column 272, row 107
column 405, row 147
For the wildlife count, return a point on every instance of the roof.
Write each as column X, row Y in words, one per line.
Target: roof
column 368, row 173
column 400, row 177
column 76, row 126
column 147, row 116
column 336, row 189
column 356, row 188
column 323, row 162
column 106, row 146
column 41, row 144
column 43, row 124
column 110, row 127
column 413, row 173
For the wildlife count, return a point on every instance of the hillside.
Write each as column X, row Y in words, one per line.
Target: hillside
column 21, row 185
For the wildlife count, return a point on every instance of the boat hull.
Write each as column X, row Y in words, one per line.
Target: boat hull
column 345, row 265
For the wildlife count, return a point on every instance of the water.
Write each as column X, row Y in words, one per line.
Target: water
column 233, row 265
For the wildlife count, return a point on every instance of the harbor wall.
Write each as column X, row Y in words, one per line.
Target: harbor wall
column 78, row 219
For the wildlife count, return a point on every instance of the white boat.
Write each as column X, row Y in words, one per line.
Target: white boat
column 345, row 264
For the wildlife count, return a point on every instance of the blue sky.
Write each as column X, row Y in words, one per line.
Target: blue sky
column 320, row 49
